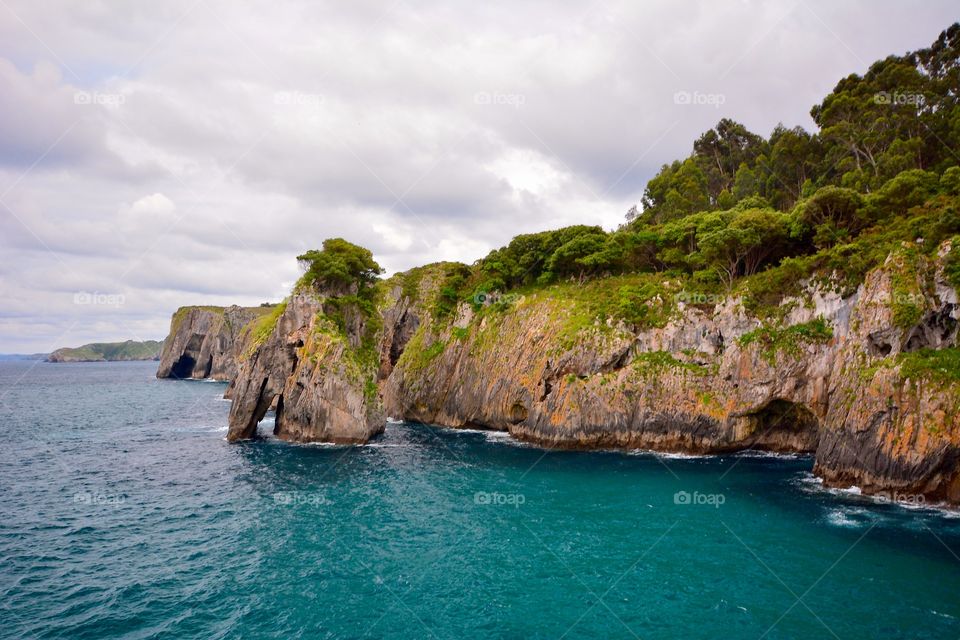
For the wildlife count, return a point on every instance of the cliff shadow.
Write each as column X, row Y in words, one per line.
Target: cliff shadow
column 783, row 426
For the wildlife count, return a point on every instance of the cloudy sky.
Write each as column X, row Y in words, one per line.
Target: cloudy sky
column 157, row 154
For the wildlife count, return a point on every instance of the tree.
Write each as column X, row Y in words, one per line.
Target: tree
column 722, row 150
column 679, row 189
column 587, row 253
column 738, row 242
column 339, row 266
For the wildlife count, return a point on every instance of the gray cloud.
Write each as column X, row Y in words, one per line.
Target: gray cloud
column 184, row 152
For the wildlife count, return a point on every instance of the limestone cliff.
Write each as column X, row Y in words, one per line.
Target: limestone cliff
column 312, row 372
column 832, row 377
column 861, row 379
column 204, row 342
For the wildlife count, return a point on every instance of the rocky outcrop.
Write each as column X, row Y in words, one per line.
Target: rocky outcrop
column 828, row 379
column 842, row 377
column 309, row 371
column 205, row 342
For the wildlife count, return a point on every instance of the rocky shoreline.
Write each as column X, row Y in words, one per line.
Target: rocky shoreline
column 829, row 379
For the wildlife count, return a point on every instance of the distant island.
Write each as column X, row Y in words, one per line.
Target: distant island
column 109, row 352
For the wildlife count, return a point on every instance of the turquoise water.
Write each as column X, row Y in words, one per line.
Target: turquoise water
column 125, row 514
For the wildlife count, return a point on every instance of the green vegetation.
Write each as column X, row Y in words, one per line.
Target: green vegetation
column 757, row 217
column 908, row 299
column 789, row 340
column 345, row 278
column 743, row 216
column 109, row 352
column 181, row 314
column 938, row 365
column 653, row 363
column 418, row 355
column 339, row 265
column 952, row 263
column 262, row 327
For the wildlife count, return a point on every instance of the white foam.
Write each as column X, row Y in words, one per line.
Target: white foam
column 756, row 453
column 841, row 518
column 668, row 455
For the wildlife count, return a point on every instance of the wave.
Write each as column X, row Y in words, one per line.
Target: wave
column 757, row 453
column 671, row 455
column 847, row 517
column 809, row 483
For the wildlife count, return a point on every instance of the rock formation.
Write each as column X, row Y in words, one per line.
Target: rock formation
column 311, row 374
column 204, row 342
column 836, row 375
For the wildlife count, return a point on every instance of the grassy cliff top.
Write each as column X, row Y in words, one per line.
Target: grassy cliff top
column 109, row 352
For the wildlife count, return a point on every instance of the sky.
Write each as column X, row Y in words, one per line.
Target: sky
column 161, row 154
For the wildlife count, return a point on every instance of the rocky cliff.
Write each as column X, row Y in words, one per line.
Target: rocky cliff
column 205, row 342
column 310, row 367
column 865, row 380
column 862, row 381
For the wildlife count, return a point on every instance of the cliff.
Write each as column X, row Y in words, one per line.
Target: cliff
column 108, row 352
column 311, row 367
column 204, row 342
column 865, row 380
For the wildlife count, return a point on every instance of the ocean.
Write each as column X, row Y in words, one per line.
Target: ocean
column 124, row 513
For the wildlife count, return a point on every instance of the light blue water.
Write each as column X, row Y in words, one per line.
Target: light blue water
column 125, row 514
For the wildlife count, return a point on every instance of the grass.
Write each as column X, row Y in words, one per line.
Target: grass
column 263, row 326
column 773, row 340
column 654, row 362
column 937, row 365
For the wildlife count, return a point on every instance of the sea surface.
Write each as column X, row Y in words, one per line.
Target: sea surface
column 124, row 513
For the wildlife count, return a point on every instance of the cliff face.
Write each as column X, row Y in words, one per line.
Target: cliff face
column 310, row 373
column 204, row 342
column 830, row 379
column 861, row 381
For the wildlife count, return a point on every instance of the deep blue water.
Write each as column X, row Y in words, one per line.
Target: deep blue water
column 125, row 514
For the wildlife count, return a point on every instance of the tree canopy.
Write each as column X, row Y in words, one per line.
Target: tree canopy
column 339, row 266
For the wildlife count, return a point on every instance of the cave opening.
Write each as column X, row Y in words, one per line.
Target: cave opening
column 782, row 425
column 183, row 367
